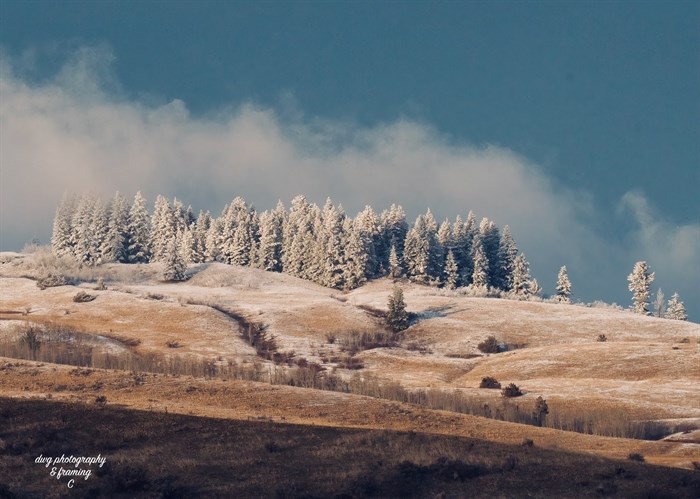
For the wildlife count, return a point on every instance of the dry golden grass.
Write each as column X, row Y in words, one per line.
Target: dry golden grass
column 249, row 400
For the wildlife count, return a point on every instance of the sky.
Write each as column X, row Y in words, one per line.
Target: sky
column 575, row 123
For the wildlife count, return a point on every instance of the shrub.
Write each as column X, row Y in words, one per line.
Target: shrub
column 100, row 285
column 51, row 280
column 490, row 382
column 541, row 411
column 83, row 297
column 527, row 442
column 356, row 341
column 330, row 338
column 635, row 456
column 602, row 337
column 489, row 345
column 173, row 344
column 100, row 400
column 511, row 390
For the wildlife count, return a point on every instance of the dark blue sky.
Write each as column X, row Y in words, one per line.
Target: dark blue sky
column 598, row 101
column 604, row 95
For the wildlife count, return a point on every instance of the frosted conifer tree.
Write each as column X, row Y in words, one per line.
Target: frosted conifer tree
column 395, row 266
column 397, row 317
column 466, row 264
column 162, row 228
column 212, row 252
column 139, row 231
column 417, row 251
column 435, row 256
column 639, row 284
column 99, row 227
column 460, row 246
column 480, row 274
column 84, row 242
column 366, row 234
column 115, row 247
column 174, row 265
column 332, row 243
column 491, row 240
column 201, row 226
column 451, row 271
column 507, row 252
column 521, row 277
column 563, row 286
column 676, row 309
column 297, row 218
column 356, row 257
column 659, row 304
column 62, row 234
column 270, row 252
column 187, row 244
column 393, row 229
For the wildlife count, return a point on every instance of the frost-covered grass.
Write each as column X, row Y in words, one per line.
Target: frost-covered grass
column 647, row 366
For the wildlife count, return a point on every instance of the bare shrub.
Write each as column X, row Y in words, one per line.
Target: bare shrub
column 356, row 341
column 512, row 390
column 173, row 344
column 154, row 296
column 51, row 279
column 635, row 456
column 490, row 382
column 83, row 297
column 330, row 338
column 489, row 345
column 540, row 412
column 350, row 362
column 602, row 338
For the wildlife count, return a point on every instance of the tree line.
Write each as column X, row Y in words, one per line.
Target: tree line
column 321, row 244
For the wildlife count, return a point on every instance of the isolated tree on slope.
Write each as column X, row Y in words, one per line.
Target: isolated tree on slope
column 563, row 286
column 174, row 267
column 676, row 309
column 397, row 317
column 639, row 284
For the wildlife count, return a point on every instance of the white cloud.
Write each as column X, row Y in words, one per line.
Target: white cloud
column 68, row 134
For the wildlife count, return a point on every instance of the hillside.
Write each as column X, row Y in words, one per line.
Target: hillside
column 647, row 370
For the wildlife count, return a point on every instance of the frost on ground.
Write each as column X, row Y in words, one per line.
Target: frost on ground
column 648, row 366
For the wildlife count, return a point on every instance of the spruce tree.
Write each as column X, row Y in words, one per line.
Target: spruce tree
column 397, row 317
column 451, row 271
column 395, row 265
column 639, row 284
column 174, row 265
column 139, row 231
column 62, row 233
column 521, row 277
column 416, row 254
column 676, row 309
column 563, row 286
column 480, row 274
column 116, row 244
column 507, row 252
column 659, row 304
column 162, row 228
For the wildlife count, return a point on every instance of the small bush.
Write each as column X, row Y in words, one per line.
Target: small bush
column 490, row 382
column 511, row 390
column 173, row 344
column 100, row 401
column 51, row 280
column 635, row 456
column 527, row 442
column 489, row 345
column 100, row 285
column 83, row 297
column 154, row 296
column 602, row 337
column 330, row 338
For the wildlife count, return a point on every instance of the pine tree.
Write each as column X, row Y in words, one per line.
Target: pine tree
column 201, row 227
column 676, row 309
column 139, row 231
column 521, row 277
column 639, row 284
column 99, row 228
column 480, row 274
column 451, row 271
column 356, row 256
column 187, row 244
column 331, row 243
column 62, row 233
column 115, row 247
column 270, row 251
column 507, row 252
column 84, row 242
column 416, row 255
column 491, row 240
column 397, row 317
column 162, row 228
column 174, row 265
column 395, row 266
column 393, row 228
column 563, row 286
column 659, row 304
